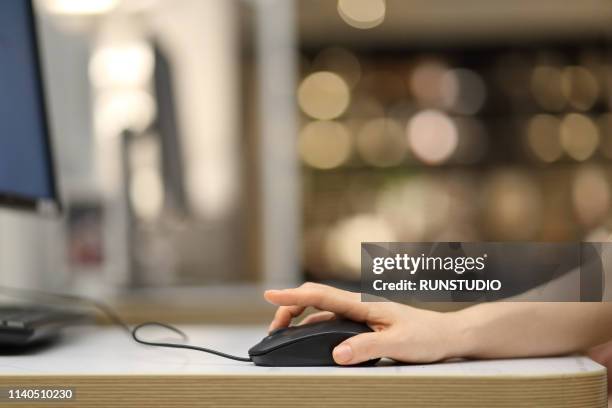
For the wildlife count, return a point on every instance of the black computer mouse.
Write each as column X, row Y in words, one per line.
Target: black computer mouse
column 306, row 345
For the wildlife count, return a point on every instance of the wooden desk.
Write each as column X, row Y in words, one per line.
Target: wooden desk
column 106, row 368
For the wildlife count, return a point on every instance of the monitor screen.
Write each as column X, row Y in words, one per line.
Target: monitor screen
column 26, row 176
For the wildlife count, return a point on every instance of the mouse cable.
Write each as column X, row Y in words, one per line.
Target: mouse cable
column 177, row 345
column 114, row 317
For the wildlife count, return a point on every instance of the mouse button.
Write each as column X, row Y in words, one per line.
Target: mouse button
column 276, row 331
column 270, row 342
column 260, row 348
column 306, row 351
column 286, row 336
column 350, row 326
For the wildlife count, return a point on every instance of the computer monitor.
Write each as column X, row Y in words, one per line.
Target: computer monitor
column 27, row 178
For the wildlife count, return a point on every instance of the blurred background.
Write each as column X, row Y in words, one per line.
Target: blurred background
column 210, row 149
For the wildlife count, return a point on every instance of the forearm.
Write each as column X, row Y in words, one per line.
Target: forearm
column 521, row 329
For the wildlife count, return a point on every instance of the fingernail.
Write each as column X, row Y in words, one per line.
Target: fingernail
column 343, row 353
column 271, row 291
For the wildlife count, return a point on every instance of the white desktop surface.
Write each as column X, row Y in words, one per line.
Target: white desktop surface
column 107, row 368
column 110, row 351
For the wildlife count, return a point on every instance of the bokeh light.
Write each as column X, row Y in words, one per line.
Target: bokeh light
column 415, row 208
column 381, row 142
column 492, row 144
column 590, row 195
column 343, row 244
column 464, row 91
column 324, row 144
column 432, row 136
column 425, row 83
column 543, row 137
column 580, row 87
column 129, row 65
column 323, row 95
column 362, row 14
column 579, row 136
column 512, row 205
column 116, row 111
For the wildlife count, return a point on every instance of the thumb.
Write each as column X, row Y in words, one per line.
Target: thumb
column 360, row 348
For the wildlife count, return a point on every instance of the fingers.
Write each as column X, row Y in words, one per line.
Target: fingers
column 360, row 348
column 283, row 316
column 321, row 297
column 318, row 317
column 603, row 352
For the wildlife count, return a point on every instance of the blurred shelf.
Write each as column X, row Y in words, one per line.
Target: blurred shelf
column 407, row 169
column 409, row 22
column 227, row 304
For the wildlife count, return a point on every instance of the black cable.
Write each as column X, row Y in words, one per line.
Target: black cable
column 175, row 345
column 110, row 313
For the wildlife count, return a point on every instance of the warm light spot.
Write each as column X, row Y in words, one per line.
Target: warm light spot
column 425, row 83
column 579, row 136
column 324, row 144
column 512, row 205
column 591, row 195
column 424, row 199
column 543, row 137
column 381, row 142
column 464, row 91
column 432, row 136
column 125, row 66
column 117, row 111
column 362, row 14
column 343, row 246
column 323, row 95
column 579, row 87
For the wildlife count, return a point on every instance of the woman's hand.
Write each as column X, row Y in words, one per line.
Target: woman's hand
column 401, row 332
column 488, row 330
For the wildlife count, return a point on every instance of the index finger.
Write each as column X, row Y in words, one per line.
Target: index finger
column 283, row 316
column 322, row 297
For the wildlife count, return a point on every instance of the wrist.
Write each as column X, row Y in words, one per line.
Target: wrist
column 462, row 336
